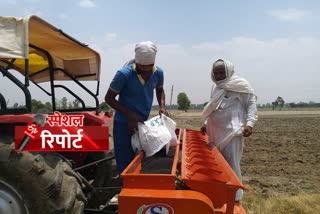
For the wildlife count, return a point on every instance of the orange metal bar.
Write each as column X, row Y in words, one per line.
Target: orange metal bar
column 175, row 160
column 205, row 170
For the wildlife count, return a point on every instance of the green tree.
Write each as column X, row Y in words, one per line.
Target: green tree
column 64, row 103
column 281, row 102
column 183, row 101
column 36, row 105
column 48, row 106
column 76, row 103
column 274, row 104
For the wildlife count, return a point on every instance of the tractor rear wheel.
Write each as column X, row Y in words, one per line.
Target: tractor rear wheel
column 32, row 183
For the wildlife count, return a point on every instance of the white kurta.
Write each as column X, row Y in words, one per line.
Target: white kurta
column 226, row 124
column 235, row 111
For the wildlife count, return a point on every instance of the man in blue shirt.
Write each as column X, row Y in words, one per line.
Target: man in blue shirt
column 135, row 84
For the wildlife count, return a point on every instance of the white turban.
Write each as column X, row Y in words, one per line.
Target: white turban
column 232, row 82
column 145, row 53
column 229, row 69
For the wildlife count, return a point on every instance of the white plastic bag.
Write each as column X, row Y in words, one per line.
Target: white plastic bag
column 171, row 126
column 135, row 143
column 154, row 134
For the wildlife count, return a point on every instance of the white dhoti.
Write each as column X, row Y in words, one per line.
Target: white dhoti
column 225, row 127
column 233, row 154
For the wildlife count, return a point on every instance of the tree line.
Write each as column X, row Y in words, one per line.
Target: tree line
column 309, row 104
column 183, row 103
column 64, row 103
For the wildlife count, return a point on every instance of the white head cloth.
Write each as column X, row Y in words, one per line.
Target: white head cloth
column 232, row 82
column 145, row 53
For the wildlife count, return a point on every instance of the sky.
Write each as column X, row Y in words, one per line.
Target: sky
column 274, row 44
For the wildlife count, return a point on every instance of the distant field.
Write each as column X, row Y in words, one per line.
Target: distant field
column 281, row 160
column 291, row 112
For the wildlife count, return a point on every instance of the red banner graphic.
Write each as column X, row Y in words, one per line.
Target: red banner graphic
column 62, row 138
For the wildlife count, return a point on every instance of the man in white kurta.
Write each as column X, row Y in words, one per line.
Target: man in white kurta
column 230, row 114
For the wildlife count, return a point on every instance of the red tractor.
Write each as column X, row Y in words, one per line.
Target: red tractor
column 49, row 182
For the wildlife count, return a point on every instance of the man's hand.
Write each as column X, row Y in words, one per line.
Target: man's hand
column 247, row 131
column 133, row 121
column 161, row 100
column 203, row 129
column 163, row 111
column 133, row 118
